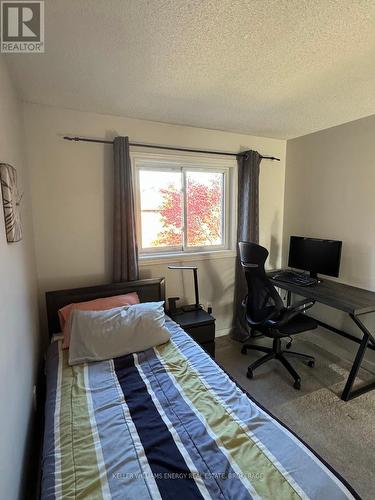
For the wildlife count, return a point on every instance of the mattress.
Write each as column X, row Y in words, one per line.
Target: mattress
column 169, row 423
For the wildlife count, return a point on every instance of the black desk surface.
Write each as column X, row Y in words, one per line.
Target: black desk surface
column 346, row 298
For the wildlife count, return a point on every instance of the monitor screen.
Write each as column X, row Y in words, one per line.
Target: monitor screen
column 315, row 255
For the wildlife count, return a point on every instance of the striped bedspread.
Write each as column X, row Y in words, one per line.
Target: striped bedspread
column 169, row 423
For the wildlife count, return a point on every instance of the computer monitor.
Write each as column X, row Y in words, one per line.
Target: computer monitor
column 315, row 255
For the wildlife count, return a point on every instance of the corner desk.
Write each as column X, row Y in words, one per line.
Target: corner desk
column 356, row 302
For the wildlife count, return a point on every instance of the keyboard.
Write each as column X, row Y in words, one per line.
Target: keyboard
column 295, row 278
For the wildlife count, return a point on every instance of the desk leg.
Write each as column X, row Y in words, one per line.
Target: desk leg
column 347, row 393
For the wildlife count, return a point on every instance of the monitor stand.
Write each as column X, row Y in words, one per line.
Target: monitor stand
column 314, row 275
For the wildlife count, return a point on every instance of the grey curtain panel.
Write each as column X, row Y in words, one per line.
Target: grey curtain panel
column 125, row 251
column 247, row 230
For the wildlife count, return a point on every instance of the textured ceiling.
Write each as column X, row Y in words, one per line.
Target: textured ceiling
column 276, row 68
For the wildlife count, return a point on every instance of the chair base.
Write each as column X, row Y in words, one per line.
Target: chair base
column 276, row 352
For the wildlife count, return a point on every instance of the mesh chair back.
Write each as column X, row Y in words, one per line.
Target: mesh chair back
column 263, row 301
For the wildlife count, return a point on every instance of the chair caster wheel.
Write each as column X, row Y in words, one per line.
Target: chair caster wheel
column 250, row 373
column 311, row 364
column 297, row 385
column 243, row 350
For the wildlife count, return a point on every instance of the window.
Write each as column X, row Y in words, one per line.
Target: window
column 182, row 205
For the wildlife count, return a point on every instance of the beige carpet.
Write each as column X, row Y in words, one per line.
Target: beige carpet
column 342, row 433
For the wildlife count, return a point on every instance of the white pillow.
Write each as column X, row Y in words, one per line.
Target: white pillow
column 98, row 335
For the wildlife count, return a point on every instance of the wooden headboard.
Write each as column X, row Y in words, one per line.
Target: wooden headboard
column 149, row 290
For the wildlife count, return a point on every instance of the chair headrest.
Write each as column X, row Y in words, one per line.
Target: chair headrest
column 252, row 254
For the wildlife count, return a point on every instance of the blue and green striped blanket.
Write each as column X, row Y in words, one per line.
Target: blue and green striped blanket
column 169, row 423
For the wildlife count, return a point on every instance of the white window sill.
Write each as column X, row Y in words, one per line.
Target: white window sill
column 172, row 258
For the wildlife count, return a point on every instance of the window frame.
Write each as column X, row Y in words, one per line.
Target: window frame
column 184, row 163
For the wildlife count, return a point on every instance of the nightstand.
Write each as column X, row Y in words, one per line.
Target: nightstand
column 199, row 325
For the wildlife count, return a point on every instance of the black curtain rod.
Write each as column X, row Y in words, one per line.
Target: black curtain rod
column 102, row 141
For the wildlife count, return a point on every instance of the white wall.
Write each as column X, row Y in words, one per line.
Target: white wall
column 71, row 186
column 330, row 192
column 18, row 310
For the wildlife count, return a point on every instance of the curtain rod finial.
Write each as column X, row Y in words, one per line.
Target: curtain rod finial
column 272, row 158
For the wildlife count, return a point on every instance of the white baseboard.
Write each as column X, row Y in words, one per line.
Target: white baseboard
column 223, row 332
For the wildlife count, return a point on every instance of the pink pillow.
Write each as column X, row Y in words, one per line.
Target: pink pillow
column 93, row 305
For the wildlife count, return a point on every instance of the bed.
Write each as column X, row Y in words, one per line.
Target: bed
column 165, row 423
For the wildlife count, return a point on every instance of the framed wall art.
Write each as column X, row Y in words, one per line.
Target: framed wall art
column 11, row 202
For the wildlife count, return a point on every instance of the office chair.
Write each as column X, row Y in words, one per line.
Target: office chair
column 265, row 312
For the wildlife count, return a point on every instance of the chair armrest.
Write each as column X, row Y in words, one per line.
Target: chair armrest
column 301, row 305
column 292, row 311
